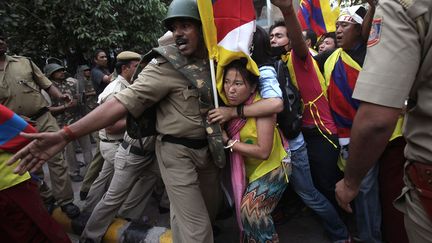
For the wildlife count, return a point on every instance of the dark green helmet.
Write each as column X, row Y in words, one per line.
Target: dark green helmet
column 50, row 68
column 181, row 9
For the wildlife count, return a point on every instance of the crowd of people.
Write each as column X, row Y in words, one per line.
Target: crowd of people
column 344, row 153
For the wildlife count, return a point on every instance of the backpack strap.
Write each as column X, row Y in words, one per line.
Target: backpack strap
column 198, row 73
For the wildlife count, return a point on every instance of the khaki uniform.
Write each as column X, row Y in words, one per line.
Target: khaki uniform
column 71, row 115
column 400, row 41
column 135, row 175
column 108, row 145
column 190, row 176
column 20, row 92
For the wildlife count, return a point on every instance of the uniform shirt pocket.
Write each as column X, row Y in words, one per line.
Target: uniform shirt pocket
column 191, row 106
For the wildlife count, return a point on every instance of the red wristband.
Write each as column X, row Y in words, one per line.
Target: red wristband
column 69, row 134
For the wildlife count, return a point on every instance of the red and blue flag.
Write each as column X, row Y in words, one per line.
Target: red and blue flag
column 228, row 27
column 10, row 127
column 318, row 15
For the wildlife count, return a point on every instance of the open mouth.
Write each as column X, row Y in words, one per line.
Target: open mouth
column 181, row 43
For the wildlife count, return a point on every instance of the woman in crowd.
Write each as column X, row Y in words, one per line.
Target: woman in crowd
column 256, row 144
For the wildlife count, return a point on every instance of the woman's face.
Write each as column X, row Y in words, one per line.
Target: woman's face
column 236, row 88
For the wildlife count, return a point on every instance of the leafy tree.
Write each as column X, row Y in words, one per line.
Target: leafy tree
column 72, row 29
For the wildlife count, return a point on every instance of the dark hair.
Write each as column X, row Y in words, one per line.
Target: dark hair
column 328, row 35
column 240, row 66
column 277, row 23
column 261, row 52
column 97, row 51
column 311, row 35
column 120, row 64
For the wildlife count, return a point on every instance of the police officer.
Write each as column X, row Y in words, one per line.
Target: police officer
column 112, row 136
column 185, row 140
column 21, row 82
column 67, row 114
column 383, row 87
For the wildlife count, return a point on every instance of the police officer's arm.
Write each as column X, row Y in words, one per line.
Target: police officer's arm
column 262, row 149
column 371, row 131
column 264, row 107
column 367, row 21
column 54, row 92
column 293, row 28
column 46, row 145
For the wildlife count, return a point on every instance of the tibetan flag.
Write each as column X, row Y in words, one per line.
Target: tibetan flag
column 341, row 73
column 318, row 15
column 228, row 27
column 10, row 126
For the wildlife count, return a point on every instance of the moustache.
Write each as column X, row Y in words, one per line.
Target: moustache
column 180, row 41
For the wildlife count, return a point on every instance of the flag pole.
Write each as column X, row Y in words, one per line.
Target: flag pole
column 213, row 77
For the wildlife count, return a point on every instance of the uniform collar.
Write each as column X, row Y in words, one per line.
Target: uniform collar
column 11, row 59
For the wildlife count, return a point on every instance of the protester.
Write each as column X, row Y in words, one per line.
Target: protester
column 301, row 178
column 23, row 217
column 260, row 156
column 327, row 42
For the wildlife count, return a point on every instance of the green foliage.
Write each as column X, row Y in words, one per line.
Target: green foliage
column 65, row 28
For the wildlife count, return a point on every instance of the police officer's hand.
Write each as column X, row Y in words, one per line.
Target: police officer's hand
column 344, row 195
column 67, row 97
column 282, row 3
column 35, row 154
column 221, row 115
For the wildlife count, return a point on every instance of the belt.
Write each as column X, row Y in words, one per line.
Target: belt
column 188, row 142
column 420, row 174
column 39, row 113
column 111, row 141
column 133, row 149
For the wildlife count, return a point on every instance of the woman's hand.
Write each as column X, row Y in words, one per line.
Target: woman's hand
column 221, row 115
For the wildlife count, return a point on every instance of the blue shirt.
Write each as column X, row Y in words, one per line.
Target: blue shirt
column 268, row 83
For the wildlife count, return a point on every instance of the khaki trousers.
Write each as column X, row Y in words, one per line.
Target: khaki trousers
column 58, row 169
column 192, row 183
column 102, row 182
column 70, row 154
column 131, row 187
column 417, row 223
column 93, row 169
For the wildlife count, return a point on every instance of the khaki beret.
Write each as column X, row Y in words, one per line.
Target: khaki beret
column 128, row 55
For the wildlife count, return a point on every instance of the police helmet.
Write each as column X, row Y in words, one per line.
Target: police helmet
column 50, row 68
column 181, row 9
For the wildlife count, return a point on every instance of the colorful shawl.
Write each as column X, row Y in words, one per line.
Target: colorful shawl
column 238, row 173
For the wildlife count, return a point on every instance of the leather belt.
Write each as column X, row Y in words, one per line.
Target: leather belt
column 188, row 142
column 133, row 149
column 420, row 174
column 39, row 113
column 111, row 141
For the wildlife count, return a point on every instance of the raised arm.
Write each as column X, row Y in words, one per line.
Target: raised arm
column 294, row 31
column 367, row 21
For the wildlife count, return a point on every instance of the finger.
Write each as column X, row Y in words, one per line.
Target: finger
column 29, row 166
column 26, row 158
column 37, row 166
column 30, row 136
